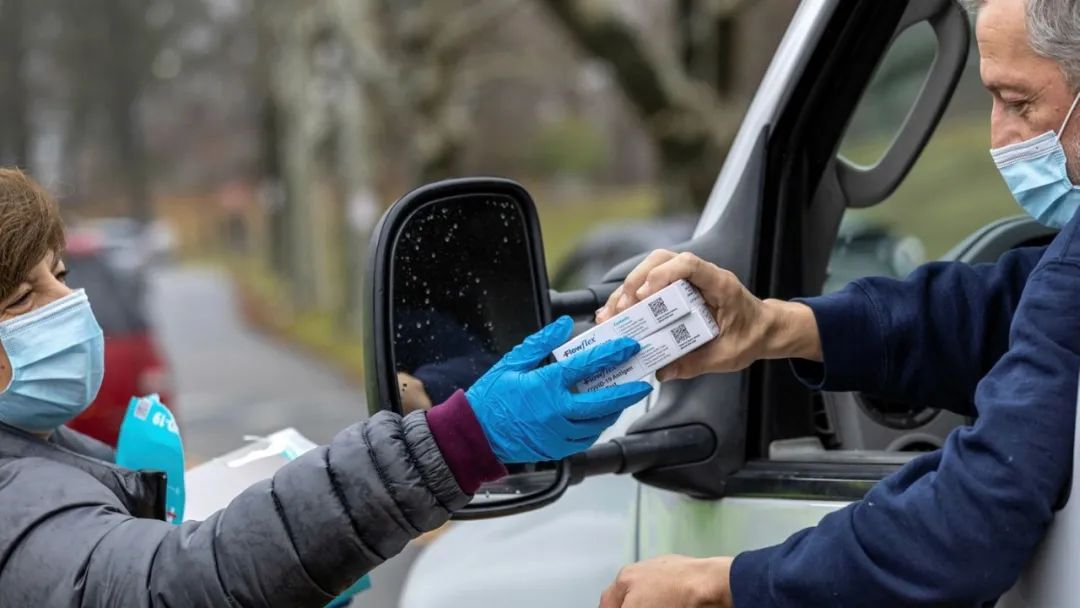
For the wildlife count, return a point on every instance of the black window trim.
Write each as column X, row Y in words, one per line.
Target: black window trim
column 800, row 168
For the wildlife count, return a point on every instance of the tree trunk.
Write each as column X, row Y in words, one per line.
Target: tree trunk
column 688, row 171
column 277, row 252
column 15, row 142
column 126, row 52
column 682, row 103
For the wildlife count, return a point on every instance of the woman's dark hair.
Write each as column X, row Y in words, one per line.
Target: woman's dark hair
column 30, row 228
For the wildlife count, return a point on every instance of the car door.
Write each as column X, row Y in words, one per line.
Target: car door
column 842, row 140
column 952, row 192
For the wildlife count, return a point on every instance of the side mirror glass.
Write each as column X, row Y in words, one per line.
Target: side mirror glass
column 456, row 279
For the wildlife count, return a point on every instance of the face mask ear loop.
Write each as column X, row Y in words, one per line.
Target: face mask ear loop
column 1068, row 116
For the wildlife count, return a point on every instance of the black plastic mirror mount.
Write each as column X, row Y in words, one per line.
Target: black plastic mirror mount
column 581, row 303
column 626, row 455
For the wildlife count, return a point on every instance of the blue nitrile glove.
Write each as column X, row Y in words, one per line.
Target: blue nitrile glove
column 530, row 415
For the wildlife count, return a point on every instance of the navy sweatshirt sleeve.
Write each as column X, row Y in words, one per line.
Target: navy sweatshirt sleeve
column 928, row 339
column 953, row 527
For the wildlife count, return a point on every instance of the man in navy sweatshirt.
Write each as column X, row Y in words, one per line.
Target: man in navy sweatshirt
column 1000, row 342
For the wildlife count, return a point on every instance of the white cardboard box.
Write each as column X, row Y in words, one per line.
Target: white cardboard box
column 211, row 486
column 658, row 349
column 642, row 319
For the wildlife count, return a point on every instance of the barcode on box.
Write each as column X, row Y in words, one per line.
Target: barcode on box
column 681, row 334
column 658, row 307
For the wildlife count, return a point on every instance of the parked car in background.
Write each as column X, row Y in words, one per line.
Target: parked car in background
column 160, row 241
column 862, row 248
column 133, row 362
column 605, row 246
column 122, row 241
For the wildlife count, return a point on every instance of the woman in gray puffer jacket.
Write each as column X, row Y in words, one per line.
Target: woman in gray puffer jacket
column 77, row 530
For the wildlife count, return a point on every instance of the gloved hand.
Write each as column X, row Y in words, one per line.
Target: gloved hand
column 530, row 415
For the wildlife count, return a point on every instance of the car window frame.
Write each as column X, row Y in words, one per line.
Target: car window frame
column 803, row 201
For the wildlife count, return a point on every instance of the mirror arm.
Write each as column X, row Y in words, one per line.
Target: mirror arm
column 641, row 451
column 581, row 303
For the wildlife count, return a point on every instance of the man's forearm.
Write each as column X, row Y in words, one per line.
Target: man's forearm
column 791, row 332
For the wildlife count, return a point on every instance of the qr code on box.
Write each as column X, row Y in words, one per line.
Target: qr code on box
column 681, row 334
column 658, row 307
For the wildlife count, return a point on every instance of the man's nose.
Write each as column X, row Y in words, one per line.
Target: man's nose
column 1004, row 128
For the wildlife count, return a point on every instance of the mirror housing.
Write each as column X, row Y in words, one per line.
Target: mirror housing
column 461, row 197
column 441, row 285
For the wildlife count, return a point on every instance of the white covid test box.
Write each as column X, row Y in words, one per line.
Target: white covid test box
column 658, row 349
column 647, row 316
column 668, row 324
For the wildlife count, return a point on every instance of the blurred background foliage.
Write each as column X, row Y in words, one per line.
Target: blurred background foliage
column 270, row 135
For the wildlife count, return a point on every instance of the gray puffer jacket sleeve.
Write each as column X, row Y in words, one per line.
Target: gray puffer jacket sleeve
column 298, row 539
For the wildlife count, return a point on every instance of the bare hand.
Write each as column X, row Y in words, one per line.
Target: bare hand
column 750, row 328
column 672, row 581
column 414, row 396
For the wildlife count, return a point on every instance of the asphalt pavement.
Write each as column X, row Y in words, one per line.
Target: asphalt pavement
column 231, row 381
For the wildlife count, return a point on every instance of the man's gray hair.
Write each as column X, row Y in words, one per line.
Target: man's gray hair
column 1054, row 32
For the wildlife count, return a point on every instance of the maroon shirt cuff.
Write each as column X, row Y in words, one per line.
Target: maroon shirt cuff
column 463, row 444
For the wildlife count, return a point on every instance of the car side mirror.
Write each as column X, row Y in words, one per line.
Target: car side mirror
column 456, row 278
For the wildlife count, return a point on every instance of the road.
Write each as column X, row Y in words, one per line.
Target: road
column 232, row 381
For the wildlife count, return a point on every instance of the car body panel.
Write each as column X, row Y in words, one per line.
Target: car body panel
column 561, row 555
column 569, row 549
column 675, row 523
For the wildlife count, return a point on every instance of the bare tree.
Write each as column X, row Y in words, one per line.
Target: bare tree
column 94, row 67
column 687, row 99
column 128, row 55
column 433, row 39
column 15, row 129
column 409, row 56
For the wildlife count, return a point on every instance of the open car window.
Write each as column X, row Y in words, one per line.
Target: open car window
column 952, row 191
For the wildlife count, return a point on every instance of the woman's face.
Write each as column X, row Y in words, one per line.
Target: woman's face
column 44, row 284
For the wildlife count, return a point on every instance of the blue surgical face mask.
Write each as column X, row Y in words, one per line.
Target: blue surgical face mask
column 1036, row 173
column 57, row 356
